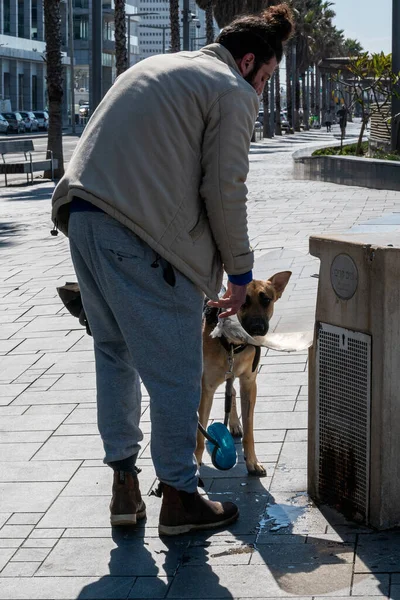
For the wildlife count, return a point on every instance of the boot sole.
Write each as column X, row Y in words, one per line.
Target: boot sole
column 181, row 529
column 117, row 520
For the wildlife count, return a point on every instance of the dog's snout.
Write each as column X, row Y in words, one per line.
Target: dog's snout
column 257, row 326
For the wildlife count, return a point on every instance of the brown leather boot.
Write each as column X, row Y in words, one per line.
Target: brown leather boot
column 126, row 504
column 182, row 512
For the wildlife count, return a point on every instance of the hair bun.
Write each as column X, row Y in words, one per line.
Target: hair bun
column 280, row 21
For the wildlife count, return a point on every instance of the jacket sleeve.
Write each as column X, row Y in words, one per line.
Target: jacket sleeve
column 225, row 165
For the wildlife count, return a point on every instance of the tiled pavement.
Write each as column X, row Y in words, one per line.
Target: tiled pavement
column 55, row 539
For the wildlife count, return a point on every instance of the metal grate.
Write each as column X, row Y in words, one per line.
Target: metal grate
column 343, row 418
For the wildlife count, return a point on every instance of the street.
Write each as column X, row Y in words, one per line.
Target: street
column 55, row 538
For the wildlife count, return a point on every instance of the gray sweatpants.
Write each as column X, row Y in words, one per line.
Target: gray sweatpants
column 142, row 327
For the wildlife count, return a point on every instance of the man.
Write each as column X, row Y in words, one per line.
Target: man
column 154, row 205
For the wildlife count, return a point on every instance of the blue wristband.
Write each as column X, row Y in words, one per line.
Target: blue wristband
column 242, row 279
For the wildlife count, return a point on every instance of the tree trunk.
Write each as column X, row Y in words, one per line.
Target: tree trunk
column 54, row 81
column 323, row 83
column 318, row 94
column 297, row 100
column 267, row 124
column 312, row 93
column 305, row 101
column 175, row 25
column 289, row 85
column 278, row 129
column 209, row 23
column 121, row 54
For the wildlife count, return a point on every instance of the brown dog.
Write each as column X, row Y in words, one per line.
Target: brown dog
column 254, row 317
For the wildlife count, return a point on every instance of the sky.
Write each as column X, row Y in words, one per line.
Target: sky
column 369, row 21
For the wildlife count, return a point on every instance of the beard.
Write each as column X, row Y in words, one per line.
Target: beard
column 251, row 76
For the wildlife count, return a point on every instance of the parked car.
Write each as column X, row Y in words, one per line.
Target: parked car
column 4, row 126
column 31, row 122
column 84, row 110
column 42, row 118
column 15, row 121
column 285, row 126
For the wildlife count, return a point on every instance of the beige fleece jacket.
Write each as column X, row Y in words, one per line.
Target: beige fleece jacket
column 166, row 154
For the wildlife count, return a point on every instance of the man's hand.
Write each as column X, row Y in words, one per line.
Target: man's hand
column 231, row 301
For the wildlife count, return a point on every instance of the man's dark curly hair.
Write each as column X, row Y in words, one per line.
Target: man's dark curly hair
column 262, row 35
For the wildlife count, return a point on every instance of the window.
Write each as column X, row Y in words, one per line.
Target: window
column 81, row 27
column 21, row 91
column 81, row 3
column 34, row 20
column 6, row 88
column 34, row 91
column 6, row 8
column 21, row 20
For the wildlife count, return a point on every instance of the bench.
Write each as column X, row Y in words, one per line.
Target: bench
column 16, row 165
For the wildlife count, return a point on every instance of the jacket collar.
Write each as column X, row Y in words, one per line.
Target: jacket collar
column 220, row 52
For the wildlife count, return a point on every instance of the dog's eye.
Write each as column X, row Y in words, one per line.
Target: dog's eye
column 264, row 300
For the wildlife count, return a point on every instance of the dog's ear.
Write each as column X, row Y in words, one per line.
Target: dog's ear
column 280, row 281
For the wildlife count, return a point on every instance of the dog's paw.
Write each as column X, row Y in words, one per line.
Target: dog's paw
column 256, row 469
column 236, row 430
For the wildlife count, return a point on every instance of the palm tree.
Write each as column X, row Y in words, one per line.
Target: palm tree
column 278, row 129
column 121, row 55
column 209, row 23
column 54, row 81
column 175, row 25
column 352, row 47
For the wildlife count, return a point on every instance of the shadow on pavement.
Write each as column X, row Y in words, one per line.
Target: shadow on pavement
column 7, row 231
column 134, row 571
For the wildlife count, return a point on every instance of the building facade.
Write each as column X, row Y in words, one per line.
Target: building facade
column 82, row 25
column 22, row 53
column 154, row 29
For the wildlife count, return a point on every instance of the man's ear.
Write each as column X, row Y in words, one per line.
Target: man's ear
column 280, row 281
column 246, row 63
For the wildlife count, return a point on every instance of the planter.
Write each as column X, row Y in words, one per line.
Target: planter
column 347, row 170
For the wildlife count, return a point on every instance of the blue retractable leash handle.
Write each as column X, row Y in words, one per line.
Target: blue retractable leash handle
column 220, row 442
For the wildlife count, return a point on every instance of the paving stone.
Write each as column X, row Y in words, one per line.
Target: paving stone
column 150, row 587
column 10, row 391
column 22, row 437
column 378, row 553
column 5, row 555
column 40, row 543
column 53, row 397
column 309, row 553
column 31, row 423
column 38, row 471
column 47, row 344
column 16, row 452
column 97, row 481
column 15, row 531
column 100, row 557
column 11, row 542
column 20, row 569
column 259, row 581
column 77, row 381
column 366, row 584
column 65, row 588
column 71, row 448
column 28, row 497
column 25, row 518
column 54, row 409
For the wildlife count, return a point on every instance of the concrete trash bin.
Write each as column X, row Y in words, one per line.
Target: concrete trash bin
column 354, row 378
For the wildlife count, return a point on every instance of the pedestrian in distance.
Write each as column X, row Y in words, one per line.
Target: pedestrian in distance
column 342, row 114
column 153, row 202
column 328, row 120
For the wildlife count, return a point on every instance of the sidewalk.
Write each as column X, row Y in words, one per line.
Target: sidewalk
column 55, row 538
